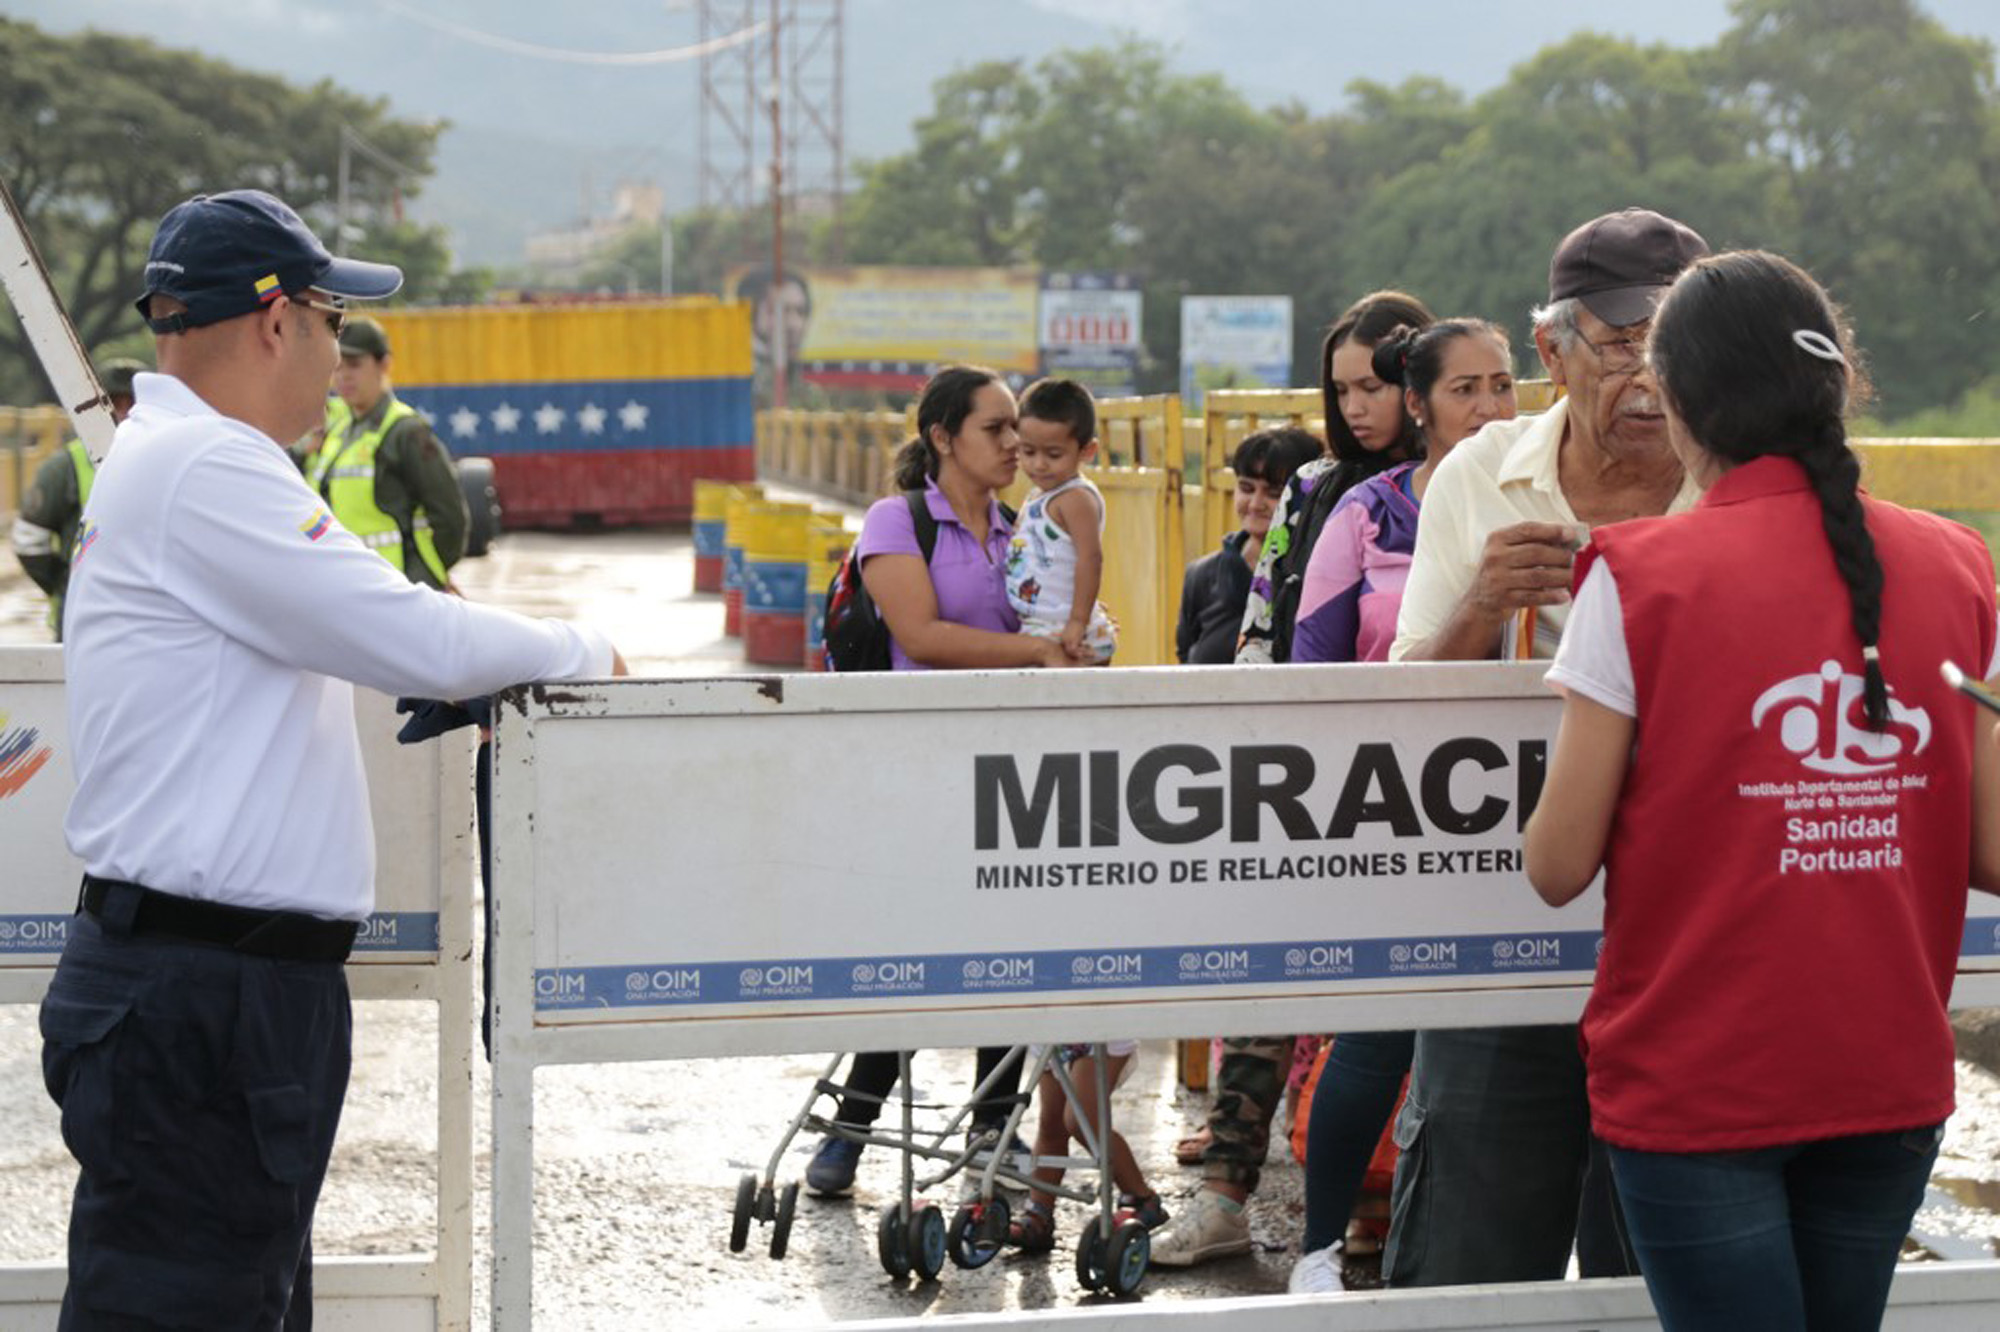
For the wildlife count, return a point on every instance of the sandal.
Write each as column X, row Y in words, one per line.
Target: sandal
column 1190, row 1150
column 1034, row 1230
column 1148, row 1211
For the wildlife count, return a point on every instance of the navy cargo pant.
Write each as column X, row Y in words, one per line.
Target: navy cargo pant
column 200, row 1089
column 1499, row 1173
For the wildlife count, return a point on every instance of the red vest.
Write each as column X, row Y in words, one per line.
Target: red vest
column 1785, row 890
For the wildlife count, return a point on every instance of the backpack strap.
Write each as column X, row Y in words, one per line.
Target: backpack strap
column 926, row 524
column 923, row 521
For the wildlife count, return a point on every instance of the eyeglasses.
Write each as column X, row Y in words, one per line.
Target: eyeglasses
column 1618, row 356
column 336, row 315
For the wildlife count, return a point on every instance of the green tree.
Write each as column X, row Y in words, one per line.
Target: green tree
column 100, row 134
column 1586, row 126
column 958, row 196
column 1884, row 129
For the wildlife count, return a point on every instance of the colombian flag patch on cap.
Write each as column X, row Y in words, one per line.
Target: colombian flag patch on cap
column 267, row 288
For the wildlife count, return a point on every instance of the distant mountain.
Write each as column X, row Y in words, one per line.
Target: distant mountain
column 539, row 143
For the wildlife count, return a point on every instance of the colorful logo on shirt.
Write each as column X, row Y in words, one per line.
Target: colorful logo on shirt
column 267, row 289
column 86, row 537
column 1820, row 720
column 315, row 527
column 21, row 756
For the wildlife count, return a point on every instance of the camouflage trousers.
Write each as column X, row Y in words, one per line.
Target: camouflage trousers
column 1248, row 1087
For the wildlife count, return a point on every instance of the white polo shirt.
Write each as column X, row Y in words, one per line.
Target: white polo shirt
column 215, row 613
column 1510, row 472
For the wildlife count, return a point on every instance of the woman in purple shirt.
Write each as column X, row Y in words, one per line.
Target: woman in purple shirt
column 953, row 613
column 1456, row 376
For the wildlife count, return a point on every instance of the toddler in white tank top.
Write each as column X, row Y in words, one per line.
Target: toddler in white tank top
column 1055, row 562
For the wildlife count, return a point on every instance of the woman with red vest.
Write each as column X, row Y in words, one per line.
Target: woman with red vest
column 1787, row 803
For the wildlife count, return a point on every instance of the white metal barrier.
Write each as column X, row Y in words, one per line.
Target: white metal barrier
column 786, row 864
column 417, row 946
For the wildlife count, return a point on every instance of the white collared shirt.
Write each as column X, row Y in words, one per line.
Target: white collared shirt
column 1510, row 472
column 215, row 614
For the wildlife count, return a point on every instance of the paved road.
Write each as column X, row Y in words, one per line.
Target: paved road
column 638, row 1164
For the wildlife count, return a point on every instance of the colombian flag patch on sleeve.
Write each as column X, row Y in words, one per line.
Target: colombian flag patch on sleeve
column 315, row 527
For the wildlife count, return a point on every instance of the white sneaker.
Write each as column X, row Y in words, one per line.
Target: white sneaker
column 1316, row 1274
column 1205, row 1230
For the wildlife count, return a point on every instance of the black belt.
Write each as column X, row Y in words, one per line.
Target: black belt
column 291, row 936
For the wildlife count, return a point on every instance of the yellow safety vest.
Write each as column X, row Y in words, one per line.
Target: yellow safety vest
column 344, row 472
column 86, row 474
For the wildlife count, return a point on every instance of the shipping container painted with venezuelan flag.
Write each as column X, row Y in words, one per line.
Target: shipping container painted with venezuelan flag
column 590, row 412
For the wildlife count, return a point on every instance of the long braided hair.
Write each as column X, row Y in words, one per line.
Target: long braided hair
column 1756, row 361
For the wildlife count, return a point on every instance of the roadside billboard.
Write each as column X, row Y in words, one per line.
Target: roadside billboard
column 886, row 327
column 1234, row 342
column 1090, row 330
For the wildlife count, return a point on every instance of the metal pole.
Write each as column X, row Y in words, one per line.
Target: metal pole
column 779, row 351
column 666, row 246
column 33, row 296
column 340, row 209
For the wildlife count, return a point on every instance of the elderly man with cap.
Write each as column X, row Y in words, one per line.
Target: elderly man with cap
column 196, row 1033
column 1499, row 1172
column 382, row 471
column 45, row 528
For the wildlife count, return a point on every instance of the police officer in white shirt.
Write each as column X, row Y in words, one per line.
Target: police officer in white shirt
column 196, row 1034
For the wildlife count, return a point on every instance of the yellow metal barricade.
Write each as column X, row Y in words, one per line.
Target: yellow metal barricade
column 1227, row 416
column 1142, row 463
column 1959, row 478
column 27, row 436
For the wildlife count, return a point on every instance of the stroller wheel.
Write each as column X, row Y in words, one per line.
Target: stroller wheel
column 1090, row 1258
column 978, row 1232
column 892, row 1241
column 746, row 1208
column 788, row 1207
column 1131, row 1252
column 927, row 1242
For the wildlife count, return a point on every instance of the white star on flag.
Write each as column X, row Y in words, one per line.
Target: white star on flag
column 465, row 423
column 549, row 418
column 506, row 418
column 633, row 414
column 591, row 418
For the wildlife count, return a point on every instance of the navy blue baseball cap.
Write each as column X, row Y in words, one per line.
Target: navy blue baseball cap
column 224, row 255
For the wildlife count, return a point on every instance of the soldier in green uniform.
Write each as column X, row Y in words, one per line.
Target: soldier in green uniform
column 383, row 473
column 45, row 529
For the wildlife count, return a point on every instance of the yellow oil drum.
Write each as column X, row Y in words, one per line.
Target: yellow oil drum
column 735, row 509
column 774, row 582
column 827, row 541
column 711, row 515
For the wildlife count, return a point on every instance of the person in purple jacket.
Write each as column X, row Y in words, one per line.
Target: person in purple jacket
column 1456, row 376
column 951, row 613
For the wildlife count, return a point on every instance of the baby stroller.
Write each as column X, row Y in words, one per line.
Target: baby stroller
column 912, row 1236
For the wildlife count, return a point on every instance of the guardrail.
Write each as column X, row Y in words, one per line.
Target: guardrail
column 417, row 946
column 847, row 456
column 1035, row 882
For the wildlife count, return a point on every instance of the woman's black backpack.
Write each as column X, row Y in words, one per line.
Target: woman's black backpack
column 856, row 638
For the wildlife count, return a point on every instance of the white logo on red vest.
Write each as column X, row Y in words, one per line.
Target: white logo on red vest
column 1820, row 720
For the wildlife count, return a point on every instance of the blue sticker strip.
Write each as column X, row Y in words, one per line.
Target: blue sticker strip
column 398, row 932
column 1064, row 971
column 384, row 932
